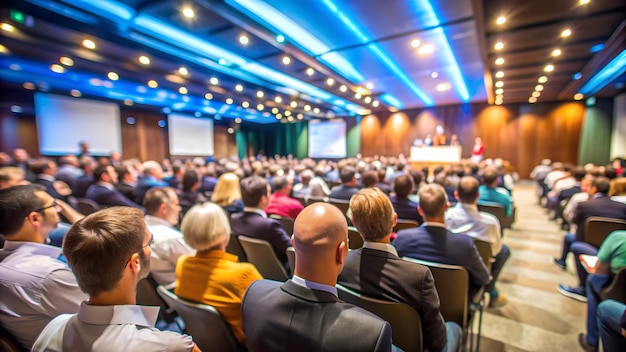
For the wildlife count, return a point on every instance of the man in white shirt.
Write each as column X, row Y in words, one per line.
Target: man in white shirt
column 110, row 252
column 162, row 214
column 464, row 218
column 35, row 286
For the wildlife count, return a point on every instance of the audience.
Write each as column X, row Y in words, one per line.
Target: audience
column 280, row 201
column 213, row 276
column 103, row 191
column 348, row 184
column 404, row 208
column 490, row 193
column 612, row 325
column 304, row 313
column 127, row 181
column 190, row 195
column 152, row 177
column 109, row 320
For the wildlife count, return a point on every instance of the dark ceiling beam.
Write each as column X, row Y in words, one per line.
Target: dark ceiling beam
column 550, row 47
column 479, row 15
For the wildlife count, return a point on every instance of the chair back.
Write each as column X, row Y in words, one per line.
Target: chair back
column 86, row 206
column 496, row 210
column 356, row 241
column 302, row 200
column 285, row 222
column 597, row 229
column 406, row 328
column 310, row 200
column 452, row 284
column 8, row 343
column 402, row 224
column 261, row 254
column 147, row 296
column 617, row 287
column 203, row 322
column 343, row 205
column 484, row 249
column 234, row 247
column 291, row 258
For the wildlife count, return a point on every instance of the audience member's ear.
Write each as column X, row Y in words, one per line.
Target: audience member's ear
column 395, row 218
column 419, row 210
column 456, row 195
column 292, row 240
column 342, row 252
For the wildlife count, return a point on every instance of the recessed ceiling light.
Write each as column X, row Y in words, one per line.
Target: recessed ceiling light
column 239, row 88
column 583, row 2
column 278, row 99
column 214, row 81
column 222, row 62
column 208, row 96
column 182, row 90
column 275, row 110
column 57, row 68
column 578, row 96
column 307, row 107
column 343, row 88
column 300, row 116
column 539, row 88
column 357, row 95
column 499, row 91
column 425, row 49
column 260, row 107
column 415, row 43
column 499, row 84
column 367, row 100
column 245, row 104
column 499, row 74
column 499, row 61
column 498, row 102
column 286, row 60
column 260, row 94
column 278, row 116
column 183, row 71
column 293, row 104
column 310, row 71
column 370, row 86
column 532, row 100
column 536, row 94
column 499, row 97
column 543, row 79
column 188, row 12
column 566, row 33
column 280, row 38
column 113, row 76
column 7, row 27
column 501, row 20
column 238, row 120
column 330, row 81
column 434, row 74
column 75, row 93
column 229, row 101
column 243, row 39
column 128, row 102
column 89, row 44
column 152, row 83
column 3, row 49
column 375, row 103
column 144, row 60
column 316, row 110
column 442, row 87
column 556, row 52
column 549, row 68
column 287, row 113
column 28, row 85
column 499, row 46
column 66, row 61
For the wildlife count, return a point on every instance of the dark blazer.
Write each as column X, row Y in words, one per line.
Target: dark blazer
column 406, row 209
column 107, row 197
column 599, row 205
column 126, row 190
column 144, row 184
column 343, row 192
column 80, row 185
column 438, row 245
column 287, row 317
column 383, row 275
column 50, row 188
column 568, row 193
column 254, row 225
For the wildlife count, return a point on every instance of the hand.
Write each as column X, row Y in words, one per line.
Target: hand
column 623, row 332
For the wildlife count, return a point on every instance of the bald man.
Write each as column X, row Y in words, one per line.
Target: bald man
column 304, row 312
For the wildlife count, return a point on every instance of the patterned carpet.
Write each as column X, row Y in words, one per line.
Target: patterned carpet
column 537, row 317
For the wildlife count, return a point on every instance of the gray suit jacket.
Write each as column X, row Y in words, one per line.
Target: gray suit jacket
column 288, row 317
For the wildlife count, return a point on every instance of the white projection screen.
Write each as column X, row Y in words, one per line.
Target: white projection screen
column 189, row 135
column 327, row 139
column 62, row 122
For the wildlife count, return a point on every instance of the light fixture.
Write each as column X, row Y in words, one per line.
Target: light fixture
column 245, row 104
column 549, row 68
column 539, row 88
column 293, row 104
column 357, row 95
column 280, row 38
column 144, row 60
column 28, row 85
column 307, row 107
column 543, row 79
column 375, row 103
column 499, row 91
column 275, row 110
column 536, row 94
column 498, row 102
column 66, row 61
column 499, row 74
column 425, row 49
column 57, row 68
column 239, row 88
column 578, row 96
column 566, row 33
column 183, row 71
column 330, row 81
column 609, row 72
column 499, row 61
column 434, row 74
column 214, row 81
column 499, row 84
column 501, row 20
column 75, row 93
column 286, row 60
column 370, row 86
column 532, row 100
column 208, row 96
column 229, row 101
column 310, row 71
column 128, row 102
column 556, row 52
column 260, row 94
column 113, row 76
column 415, row 43
column 583, row 2
column 7, row 27
column 343, row 88
column 287, row 113
column 499, row 97
column 278, row 99
column 153, row 84
column 299, row 116
column 279, row 116
column 238, row 120
column 316, row 111
column 442, row 87
column 182, row 90
column 89, row 44
column 367, row 100
column 188, row 12
column 499, row 46
column 243, row 39
column 260, row 107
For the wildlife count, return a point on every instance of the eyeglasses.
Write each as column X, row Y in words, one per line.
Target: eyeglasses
column 140, row 249
column 53, row 205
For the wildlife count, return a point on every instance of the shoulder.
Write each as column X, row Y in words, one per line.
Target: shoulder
column 148, row 339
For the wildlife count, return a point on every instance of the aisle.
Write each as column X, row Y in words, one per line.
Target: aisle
column 537, row 317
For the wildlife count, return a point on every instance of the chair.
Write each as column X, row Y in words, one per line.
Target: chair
column 356, row 241
column 310, row 200
column 203, row 322
column 302, row 200
column 147, row 296
column 86, row 206
column 406, row 328
column 484, row 249
column 498, row 211
column 402, row 224
column 617, row 287
column 597, row 229
column 291, row 259
column 8, row 343
column 285, row 222
column 261, row 254
column 234, row 247
column 343, row 205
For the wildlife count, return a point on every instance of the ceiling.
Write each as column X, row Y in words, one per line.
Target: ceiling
column 345, row 57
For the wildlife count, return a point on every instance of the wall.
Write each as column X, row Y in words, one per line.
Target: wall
column 618, row 140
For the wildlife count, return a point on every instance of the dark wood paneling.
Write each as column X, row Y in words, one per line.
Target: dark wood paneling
column 18, row 131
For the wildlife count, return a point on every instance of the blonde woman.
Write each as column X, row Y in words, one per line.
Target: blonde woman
column 227, row 193
column 212, row 276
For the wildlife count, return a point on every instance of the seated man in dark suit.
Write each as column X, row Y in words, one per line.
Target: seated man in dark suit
column 434, row 243
column 103, row 191
column 127, row 181
column 305, row 314
column 253, row 222
column 348, row 184
column 376, row 271
column 405, row 208
column 46, row 170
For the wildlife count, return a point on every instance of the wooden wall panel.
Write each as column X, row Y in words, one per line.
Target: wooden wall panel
column 18, row 131
column 224, row 143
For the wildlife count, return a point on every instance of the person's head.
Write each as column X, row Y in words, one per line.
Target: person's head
column 403, row 185
column 255, row 192
column 126, row 173
column 372, row 214
column 347, row 175
column 600, row 185
column 306, row 176
column 478, row 141
column 282, row 184
column 84, row 147
column 105, row 173
column 44, row 166
column 69, row 160
column 467, row 190
column 320, row 240
column 27, row 213
column 490, row 176
column 433, row 201
column 20, row 155
column 191, row 180
column 369, row 178
column 11, row 176
column 162, row 202
column 107, row 247
column 578, row 173
column 227, row 189
column 115, row 157
column 152, row 168
column 205, row 226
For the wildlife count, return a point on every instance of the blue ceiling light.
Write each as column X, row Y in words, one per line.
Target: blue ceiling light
column 577, row 76
column 446, row 49
column 598, row 47
column 378, row 52
column 392, row 101
column 608, row 74
column 283, row 24
column 104, row 8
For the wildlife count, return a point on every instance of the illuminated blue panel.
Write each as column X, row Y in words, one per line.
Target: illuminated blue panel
column 610, row 72
column 390, row 100
column 105, row 8
column 596, row 48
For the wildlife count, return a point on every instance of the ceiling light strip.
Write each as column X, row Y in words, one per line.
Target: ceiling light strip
column 608, row 74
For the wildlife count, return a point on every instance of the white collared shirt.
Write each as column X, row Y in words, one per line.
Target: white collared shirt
column 110, row 328
column 467, row 220
column 168, row 246
column 314, row 285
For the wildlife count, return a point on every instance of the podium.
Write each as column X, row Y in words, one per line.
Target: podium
column 432, row 156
